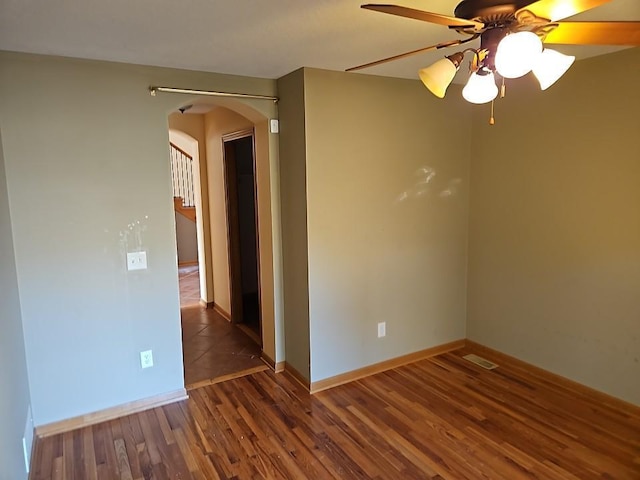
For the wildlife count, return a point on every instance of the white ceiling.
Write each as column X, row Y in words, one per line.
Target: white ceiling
column 260, row 38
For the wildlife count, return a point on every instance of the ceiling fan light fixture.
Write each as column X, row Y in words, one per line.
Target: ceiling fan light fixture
column 480, row 88
column 551, row 65
column 438, row 76
column 517, row 54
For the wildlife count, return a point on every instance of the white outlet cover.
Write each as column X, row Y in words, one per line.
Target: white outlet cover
column 146, row 359
column 382, row 329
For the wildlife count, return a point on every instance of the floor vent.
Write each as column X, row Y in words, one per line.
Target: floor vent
column 480, row 361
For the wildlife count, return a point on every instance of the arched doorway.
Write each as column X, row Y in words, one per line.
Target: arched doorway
column 194, row 262
column 217, row 119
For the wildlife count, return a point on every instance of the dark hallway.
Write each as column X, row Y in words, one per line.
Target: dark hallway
column 239, row 157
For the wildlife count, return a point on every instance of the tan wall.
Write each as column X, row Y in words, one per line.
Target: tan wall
column 14, row 382
column 186, row 240
column 387, row 170
column 554, row 267
column 293, row 208
column 218, row 122
column 265, row 239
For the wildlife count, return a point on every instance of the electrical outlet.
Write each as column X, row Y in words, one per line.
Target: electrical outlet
column 146, row 359
column 382, row 329
column 136, row 260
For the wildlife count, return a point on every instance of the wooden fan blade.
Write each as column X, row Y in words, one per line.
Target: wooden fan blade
column 595, row 33
column 412, row 52
column 555, row 10
column 424, row 16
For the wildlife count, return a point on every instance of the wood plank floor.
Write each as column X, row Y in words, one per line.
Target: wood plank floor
column 442, row 418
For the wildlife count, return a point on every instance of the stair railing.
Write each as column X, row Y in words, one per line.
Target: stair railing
column 182, row 175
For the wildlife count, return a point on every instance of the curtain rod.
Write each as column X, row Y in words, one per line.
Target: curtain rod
column 154, row 90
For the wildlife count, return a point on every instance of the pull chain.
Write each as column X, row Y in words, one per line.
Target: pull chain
column 503, row 91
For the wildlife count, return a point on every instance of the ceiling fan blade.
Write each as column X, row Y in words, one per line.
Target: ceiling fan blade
column 424, row 16
column 412, row 52
column 595, row 33
column 555, row 10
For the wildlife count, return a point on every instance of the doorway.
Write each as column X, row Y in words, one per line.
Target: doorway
column 188, row 221
column 213, row 348
column 209, row 333
column 242, row 221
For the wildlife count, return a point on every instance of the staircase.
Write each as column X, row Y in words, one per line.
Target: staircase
column 182, row 179
column 189, row 212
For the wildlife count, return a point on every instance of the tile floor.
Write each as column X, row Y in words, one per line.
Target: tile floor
column 212, row 346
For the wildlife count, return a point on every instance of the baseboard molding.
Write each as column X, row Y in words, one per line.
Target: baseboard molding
column 222, row 312
column 207, row 305
column 111, row 413
column 296, row 375
column 359, row 373
column 564, row 382
column 277, row 367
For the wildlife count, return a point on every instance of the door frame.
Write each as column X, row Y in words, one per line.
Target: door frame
column 233, row 230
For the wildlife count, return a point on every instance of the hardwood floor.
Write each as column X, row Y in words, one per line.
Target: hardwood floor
column 441, row 418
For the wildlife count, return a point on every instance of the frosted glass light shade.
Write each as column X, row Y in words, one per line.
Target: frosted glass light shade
column 438, row 77
column 480, row 88
column 551, row 65
column 517, row 54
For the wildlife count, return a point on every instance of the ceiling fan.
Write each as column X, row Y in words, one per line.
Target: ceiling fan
column 512, row 34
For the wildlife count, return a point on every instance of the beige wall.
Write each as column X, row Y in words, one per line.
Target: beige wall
column 266, row 243
column 80, row 178
column 186, row 240
column 294, row 221
column 387, row 175
column 221, row 121
column 554, row 267
column 14, row 382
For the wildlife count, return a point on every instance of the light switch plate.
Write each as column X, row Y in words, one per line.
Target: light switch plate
column 136, row 260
